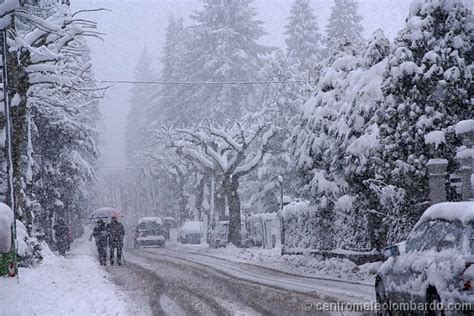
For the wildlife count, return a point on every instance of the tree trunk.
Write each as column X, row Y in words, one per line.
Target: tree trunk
column 182, row 201
column 219, row 200
column 18, row 88
column 200, row 196
column 234, row 211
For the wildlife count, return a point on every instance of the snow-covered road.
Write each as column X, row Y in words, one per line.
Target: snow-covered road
column 198, row 284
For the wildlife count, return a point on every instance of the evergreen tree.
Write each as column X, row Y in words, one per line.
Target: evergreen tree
column 334, row 139
column 143, row 97
column 303, row 36
column 280, row 102
column 344, row 25
column 428, row 87
column 62, row 113
column 224, row 48
column 176, row 58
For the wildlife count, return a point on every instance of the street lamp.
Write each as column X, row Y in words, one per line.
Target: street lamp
column 280, row 180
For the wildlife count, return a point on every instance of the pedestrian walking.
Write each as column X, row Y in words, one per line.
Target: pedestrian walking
column 60, row 232
column 100, row 235
column 116, row 233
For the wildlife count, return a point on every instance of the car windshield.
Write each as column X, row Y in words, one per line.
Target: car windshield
column 149, row 226
column 436, row 235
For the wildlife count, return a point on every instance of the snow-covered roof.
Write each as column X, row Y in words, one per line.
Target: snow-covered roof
column 150, row 219
column 463, row 211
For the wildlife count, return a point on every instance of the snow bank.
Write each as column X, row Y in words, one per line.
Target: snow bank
column 6, row 221
column 298, row 264
column 462, row 211
column 61, row 286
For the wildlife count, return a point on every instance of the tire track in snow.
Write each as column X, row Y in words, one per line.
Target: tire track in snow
column 178, row 287
column 241, row 296
column 348, row 291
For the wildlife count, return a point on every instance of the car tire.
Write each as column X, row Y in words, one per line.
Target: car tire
column 432, row 300
column 381, row 299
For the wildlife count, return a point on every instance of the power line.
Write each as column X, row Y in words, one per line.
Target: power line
column 205, row 82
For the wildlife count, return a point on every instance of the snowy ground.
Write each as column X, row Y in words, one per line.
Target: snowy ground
column 75, row 285
column 306, row 265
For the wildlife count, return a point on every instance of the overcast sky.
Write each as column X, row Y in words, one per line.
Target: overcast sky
column 132, row 25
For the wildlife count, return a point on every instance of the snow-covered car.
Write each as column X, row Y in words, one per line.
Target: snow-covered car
column 435, row 265
column 191, row 232
column 149, row 233
column 218, row 237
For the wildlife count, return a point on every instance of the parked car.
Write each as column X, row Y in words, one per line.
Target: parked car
column 435, row 264
column 191, row 232
column 218, row 237
column 149, row 233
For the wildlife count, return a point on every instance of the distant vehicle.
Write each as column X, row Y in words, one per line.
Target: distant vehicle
column 149, row 233
column 191, row 232
column 436, row 263
column 218, row 237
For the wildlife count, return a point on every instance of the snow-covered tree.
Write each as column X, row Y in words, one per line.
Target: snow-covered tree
column 428, row 86
column 224, row 48
column 335, row 138
column 303, row 37
column 229, row 152
column 280, row 104
column 54, row 100
column 172, row 107
column 143, row 97
column 344, row 25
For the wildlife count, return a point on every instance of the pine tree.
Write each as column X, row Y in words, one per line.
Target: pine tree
column 344, row 25
column 224, row 48
column 303, row 37
column 280, row 104
column 428, row 87
column 173, row 107
column 143, row 98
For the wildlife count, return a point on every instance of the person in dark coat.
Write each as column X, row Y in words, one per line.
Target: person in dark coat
column 116, row 234
column 101, row 235
column 60, row 232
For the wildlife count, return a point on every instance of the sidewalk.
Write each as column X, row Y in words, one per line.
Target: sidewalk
column 75, row 285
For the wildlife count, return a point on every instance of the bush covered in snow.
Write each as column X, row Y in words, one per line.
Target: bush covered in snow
column 29, row 249
column 6, row 221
